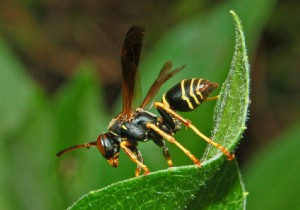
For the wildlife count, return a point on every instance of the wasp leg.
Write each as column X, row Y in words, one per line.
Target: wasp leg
column 188, row 124
column 212, row 98
column 140, row 158
column 124, row 145
column 165, row 149
column 171, row 139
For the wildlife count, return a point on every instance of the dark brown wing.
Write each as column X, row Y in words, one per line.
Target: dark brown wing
column 130, row 59
column 164, row 75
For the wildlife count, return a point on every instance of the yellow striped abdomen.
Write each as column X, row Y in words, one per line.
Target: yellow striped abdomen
column 188, row 94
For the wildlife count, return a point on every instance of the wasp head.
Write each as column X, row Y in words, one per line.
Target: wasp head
column 109, row 149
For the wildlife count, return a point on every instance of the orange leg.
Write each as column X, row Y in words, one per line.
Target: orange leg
column 188, row 124
column 165, row 149
column 167, row 157
column 171, row 139
column 124, row 145
column 140, row 158
column 212, row 98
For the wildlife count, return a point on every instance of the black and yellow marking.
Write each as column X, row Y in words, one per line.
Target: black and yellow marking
column 113, row 133
column 198, row 88
column 192, row 92
column 185, row 87
column 164, row 100
column 188, row 94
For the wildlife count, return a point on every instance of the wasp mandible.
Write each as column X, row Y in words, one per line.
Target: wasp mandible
column 134, row 125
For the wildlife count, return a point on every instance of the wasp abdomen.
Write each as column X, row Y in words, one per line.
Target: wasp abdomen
column 188, row 94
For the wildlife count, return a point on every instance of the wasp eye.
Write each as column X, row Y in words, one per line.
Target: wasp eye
column 101, row 144
column 107, row 146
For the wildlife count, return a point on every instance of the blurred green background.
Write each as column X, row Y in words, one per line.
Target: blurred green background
column 60, row 85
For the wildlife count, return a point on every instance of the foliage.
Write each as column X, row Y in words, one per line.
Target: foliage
column 34, row 126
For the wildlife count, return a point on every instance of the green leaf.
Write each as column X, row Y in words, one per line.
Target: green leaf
column 206, row 187
column 193, row 189
column 234, row 98
column 231, row 195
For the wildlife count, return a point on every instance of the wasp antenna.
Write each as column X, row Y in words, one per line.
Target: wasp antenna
column 85, row 145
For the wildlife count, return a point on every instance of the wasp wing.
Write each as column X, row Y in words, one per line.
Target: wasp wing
column 164, row 75
column 130, row 59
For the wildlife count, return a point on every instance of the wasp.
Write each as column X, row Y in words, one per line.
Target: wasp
column 134, row 125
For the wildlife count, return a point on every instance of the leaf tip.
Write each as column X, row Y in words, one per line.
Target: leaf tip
column 232, row 12
column 235, row 16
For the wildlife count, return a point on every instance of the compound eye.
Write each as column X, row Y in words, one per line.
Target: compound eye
column 102, row 138
column 106, row 146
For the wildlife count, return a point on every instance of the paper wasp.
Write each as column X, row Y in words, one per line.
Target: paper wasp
column 132, row 125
